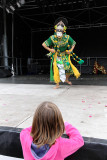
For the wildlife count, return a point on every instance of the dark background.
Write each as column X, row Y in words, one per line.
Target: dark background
column 89, row 42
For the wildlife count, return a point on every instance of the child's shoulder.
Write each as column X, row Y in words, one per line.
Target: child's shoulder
column 25, row 136
column 25, row 131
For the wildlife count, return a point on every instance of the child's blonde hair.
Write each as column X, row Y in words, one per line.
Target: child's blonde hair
column 47, row 124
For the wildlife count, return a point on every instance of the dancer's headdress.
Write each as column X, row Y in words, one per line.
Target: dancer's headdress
column 64, row 20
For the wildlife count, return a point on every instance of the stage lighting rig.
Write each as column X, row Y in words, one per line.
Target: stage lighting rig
column 20, row 3
column 8, row 9
column 12, row 7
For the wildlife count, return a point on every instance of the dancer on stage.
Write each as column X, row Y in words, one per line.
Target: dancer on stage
column 60, row 45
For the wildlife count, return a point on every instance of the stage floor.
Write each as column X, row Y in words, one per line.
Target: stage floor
column 84, row 106
column 100, row 80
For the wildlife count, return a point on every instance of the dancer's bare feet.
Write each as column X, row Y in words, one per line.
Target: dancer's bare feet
column 68, row 82
column 56, row 87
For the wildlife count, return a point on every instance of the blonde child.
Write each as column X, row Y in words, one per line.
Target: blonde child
column 43, row 140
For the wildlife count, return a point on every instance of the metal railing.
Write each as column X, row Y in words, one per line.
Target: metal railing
column 87, row 65
column 38, row 66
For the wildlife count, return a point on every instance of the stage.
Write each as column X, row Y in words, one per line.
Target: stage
column 85, row 79
column 83, row 105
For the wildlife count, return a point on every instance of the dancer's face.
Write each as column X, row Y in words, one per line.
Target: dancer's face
column 60, row 29
column 59, row 33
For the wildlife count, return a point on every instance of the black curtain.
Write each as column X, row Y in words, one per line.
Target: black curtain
column 89, row 42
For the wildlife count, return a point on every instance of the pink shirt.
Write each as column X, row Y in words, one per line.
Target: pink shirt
column 62, row 148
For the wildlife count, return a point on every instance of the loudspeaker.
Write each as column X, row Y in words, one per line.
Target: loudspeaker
column 5, row 73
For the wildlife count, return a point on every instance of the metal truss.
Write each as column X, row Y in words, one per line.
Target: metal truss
column 80, row 23
column 75, row 4
column 34, row 20
column 55, row 12
column 88, row 26
column 41, row 11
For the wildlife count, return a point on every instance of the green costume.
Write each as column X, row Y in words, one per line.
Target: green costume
column 61, row 45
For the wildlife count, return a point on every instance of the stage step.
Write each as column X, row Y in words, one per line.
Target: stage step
column 94, row 149
column 9, row 158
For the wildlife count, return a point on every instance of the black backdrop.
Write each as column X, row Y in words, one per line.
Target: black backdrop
column 90, row 42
